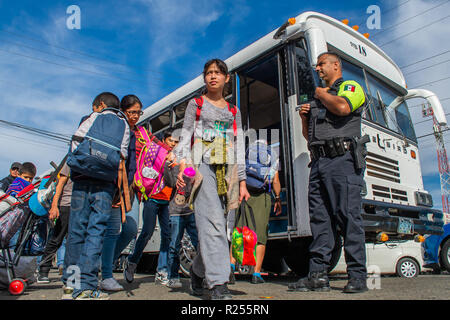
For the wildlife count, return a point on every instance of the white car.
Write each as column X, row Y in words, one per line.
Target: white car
column 403, row 258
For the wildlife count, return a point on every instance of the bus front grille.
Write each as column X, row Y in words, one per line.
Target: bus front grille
column 382, row 167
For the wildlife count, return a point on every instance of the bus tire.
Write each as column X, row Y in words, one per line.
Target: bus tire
column 297, row 256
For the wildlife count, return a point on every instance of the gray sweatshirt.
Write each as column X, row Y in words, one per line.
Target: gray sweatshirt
column 213, row 122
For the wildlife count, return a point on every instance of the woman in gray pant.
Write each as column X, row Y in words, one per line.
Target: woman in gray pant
column 218, row 155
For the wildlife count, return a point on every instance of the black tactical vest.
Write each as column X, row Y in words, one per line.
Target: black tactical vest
column 324, row 125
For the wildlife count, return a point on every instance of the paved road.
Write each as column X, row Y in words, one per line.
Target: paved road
column 424, row 287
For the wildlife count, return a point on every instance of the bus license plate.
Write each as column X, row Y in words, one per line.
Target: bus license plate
column 405, row 226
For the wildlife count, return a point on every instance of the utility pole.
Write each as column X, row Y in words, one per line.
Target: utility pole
column 444, row 170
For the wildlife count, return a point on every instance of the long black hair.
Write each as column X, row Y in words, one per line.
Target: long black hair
column 128, row 101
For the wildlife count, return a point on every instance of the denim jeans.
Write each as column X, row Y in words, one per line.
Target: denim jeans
column 57, row 236
column 129, row 229
column 60, row 254
column 89, row 215
column 151, row 210
column 177, row 226
column 116, row 240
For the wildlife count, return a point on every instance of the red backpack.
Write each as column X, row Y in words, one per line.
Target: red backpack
column 232, row 108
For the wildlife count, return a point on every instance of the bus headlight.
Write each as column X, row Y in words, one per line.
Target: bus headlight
column 423, row 199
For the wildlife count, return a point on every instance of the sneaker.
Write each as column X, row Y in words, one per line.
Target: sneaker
column 356, row 285
column 129, row 270
column 67, row 293
column 110, row 284
column 161, row 278
column 220, row 292
column 42, row 279
column 174, row 283
column 196, row 283
column 256, row 279
column 92, row 295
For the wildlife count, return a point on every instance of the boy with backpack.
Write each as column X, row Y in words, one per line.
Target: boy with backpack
column 262, row 174
column 98, row 149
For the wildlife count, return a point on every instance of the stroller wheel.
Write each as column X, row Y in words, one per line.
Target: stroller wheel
column 17, row 287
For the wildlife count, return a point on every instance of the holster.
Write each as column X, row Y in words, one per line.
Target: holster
column 360, row 151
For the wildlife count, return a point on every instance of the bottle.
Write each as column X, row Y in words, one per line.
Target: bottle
column 182, row 195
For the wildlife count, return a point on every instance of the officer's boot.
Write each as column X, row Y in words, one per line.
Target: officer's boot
column 302, row 285
column 318, row 281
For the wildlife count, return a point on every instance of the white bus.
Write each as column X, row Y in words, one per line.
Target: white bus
column 274, row 75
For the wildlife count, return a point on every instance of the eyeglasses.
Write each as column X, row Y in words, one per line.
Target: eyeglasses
column 135, row 113
column 14, row 169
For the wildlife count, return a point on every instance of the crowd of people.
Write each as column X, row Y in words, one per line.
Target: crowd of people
column 94, row 228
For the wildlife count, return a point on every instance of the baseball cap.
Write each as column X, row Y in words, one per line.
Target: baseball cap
column 16, row 165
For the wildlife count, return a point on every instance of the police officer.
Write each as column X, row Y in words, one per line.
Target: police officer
column 332, row 124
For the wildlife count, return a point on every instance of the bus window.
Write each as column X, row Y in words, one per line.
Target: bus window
column 398, row 120
column 306, row 85
column 160, row 122
column 404, row 121
column 179, row 111
column 352, row 72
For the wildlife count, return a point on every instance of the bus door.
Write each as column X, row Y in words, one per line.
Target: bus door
column 258, row 88
column 299, row 82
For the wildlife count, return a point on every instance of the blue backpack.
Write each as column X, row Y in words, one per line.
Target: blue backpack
column 99, row 144
column 260, row 166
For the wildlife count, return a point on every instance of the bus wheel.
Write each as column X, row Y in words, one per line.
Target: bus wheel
column 297, row 257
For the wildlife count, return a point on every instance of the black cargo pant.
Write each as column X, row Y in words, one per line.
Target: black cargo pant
column 56, row 240
column 335, row 205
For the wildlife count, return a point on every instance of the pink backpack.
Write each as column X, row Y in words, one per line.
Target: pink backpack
column 150, row 165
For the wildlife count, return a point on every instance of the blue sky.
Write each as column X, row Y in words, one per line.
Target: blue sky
column 49, row 74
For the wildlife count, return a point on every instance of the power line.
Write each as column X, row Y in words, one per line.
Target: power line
column 70, row 50
column 65, row 57
column 420, row 105
column 430, row 134
column 409, row 33
column 434, row 65
column 396, row 25
column 71, row 67
column 428, row 83
column 34, row 142
column 44, row 133
column 426, row 59
column 426, row 120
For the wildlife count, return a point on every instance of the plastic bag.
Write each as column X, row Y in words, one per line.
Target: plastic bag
column 244, row 240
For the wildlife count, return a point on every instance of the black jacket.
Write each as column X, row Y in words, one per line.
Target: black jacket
column 5, row 182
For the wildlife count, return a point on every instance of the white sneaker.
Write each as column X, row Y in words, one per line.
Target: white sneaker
column 174, row 283
column 161, row 278
column 110, row 284
column 67, row 293
column 129, row 270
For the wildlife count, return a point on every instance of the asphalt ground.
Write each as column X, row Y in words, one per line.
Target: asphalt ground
column 423, row 287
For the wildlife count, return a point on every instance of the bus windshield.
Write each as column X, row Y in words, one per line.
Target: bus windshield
column 380, row 96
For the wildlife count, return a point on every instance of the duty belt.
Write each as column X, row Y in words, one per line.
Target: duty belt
column 330, row 148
